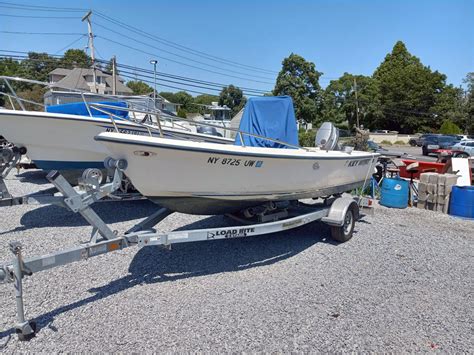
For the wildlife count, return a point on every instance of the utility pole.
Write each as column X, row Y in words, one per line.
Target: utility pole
column 114, row 75
column 357, row 103
column 87, row 17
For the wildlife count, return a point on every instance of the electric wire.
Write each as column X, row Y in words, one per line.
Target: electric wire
column 44, row 33
column 172, row 53
column 181, row 63
column 43, row 17
column 70, row 44
column 163, row 81
column 181, row 47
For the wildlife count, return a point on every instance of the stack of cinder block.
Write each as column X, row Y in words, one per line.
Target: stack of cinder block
column 434, row 190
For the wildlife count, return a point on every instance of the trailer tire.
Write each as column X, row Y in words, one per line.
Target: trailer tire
column 344, row 233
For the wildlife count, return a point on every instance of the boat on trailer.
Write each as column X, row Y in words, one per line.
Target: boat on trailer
column 62, row 138
column 265, row 165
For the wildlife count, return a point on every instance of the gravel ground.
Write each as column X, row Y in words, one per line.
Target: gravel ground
column 404, row 283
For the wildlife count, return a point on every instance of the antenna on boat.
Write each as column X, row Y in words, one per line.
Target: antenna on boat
column 87, row 17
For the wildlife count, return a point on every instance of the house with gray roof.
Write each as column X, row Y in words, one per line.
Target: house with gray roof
column 83, row 79
column 64, row 82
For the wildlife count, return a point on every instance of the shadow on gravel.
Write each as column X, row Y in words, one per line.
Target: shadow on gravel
column 110, row 212
column 155, row 264
column 37, row 177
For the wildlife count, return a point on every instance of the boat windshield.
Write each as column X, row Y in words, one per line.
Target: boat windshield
column 220, row 115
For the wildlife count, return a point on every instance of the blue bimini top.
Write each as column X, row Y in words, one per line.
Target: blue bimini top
column 269, row 116
column 79, row 108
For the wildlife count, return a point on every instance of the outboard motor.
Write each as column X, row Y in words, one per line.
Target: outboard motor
column 327, row 136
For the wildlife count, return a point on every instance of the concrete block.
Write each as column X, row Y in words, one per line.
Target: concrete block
column 421, row 204
column 441, row 179
column 442, row 199
column 441, row 190
column 432, row 188
column 451, row 179
column 448, row 189
column 422, row 187
column 430, row 206
column 446, row 206
column 422, row 196
column 433, row 178
column 432, row 198
column 425, row 177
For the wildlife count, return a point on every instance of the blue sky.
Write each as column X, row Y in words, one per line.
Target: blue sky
column 339, row 35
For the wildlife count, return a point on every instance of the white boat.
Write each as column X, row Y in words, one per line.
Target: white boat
column 208, row 178
column 57, row 141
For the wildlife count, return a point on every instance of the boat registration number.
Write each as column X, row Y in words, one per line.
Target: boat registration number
column 248, row 163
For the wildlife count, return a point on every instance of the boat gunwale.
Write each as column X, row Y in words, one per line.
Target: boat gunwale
column 221, row 148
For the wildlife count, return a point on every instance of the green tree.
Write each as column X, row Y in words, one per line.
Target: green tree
column 408, row 92
column 299, row 79
column 168, row 96
column 139, row 87
column 449, row 127
column 75, row 58
column 206, row 99
column 469, row 105
column 184, row 99
column 37, row 67
column 339, row 101
column 8, row 67
column 34, row 93
column 450, row 105
column 232, row 97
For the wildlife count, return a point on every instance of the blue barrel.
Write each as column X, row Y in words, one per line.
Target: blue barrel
column 462, row 201
column 394, row 193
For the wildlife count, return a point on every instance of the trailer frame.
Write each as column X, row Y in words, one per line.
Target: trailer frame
column 339, row 212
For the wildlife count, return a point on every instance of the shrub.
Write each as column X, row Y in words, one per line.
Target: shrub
column 400, row 143
column 449, row 127
column 181, row 112
column 385, row 142
column 306, row 138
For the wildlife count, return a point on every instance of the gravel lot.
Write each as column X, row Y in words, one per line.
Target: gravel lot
column 404, row 283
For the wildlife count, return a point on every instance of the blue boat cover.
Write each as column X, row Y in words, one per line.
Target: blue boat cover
column 79, row 108
column 269, row 116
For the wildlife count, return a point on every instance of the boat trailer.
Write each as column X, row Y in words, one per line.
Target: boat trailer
column 11, row 156
column 339, row 212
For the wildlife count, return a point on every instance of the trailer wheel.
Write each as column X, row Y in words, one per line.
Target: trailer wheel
column 344, row 233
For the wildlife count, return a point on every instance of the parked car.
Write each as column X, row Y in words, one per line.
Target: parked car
column 420, row 140
column 433, row 143
column 378, row 149
column 467, row 148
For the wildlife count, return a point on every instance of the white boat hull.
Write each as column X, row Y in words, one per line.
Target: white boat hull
column 206, row 178
column 64, row 142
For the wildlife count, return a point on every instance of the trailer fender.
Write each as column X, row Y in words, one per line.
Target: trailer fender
column 338, row 211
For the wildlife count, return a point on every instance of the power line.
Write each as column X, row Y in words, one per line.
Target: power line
column 43, row 33
column 185, row 64
column 194, row 85
column 181, row 47
column 220, row 85
column 39, row 8
column 70, row 44
column 44, row 17
column 172, row 53
column 135, row 76
column 136, row 30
